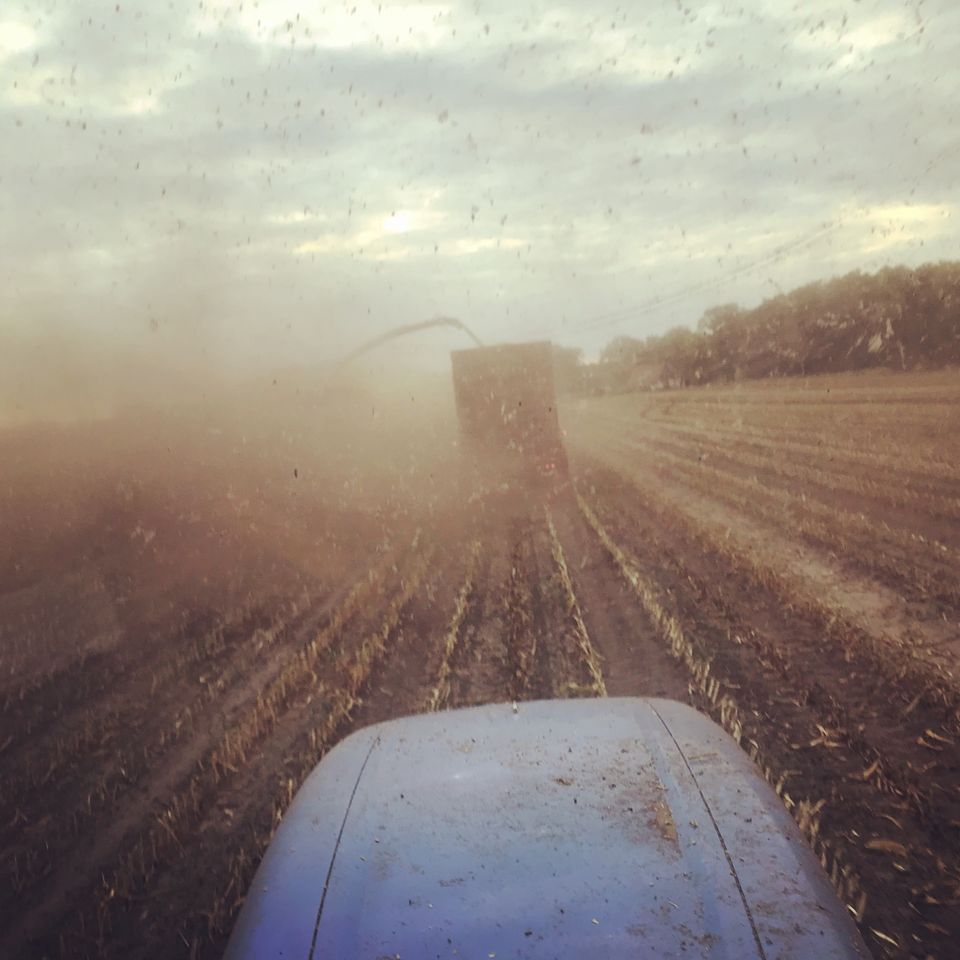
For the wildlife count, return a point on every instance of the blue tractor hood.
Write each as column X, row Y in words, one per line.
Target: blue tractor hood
column 608, row 828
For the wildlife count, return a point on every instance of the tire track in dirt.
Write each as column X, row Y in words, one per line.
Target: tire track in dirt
column 523, row 637
column 572, row 666
column 524, row 634
column 480, row 664
column 634, row 661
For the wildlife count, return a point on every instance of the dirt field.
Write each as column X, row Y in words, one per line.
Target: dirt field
column 784, row 556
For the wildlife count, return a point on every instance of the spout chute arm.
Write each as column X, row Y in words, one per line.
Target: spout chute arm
column 403, row 331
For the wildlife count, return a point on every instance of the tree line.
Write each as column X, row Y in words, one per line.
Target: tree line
column 898, row 318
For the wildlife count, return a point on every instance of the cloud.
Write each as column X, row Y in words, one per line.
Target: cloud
column 240, row 169
column 16, row 37
column 900, row 225
column 286, row 24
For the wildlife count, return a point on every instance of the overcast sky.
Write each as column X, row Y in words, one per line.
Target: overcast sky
column 286, row 179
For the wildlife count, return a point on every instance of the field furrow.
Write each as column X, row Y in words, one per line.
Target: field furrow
column 862, row 824
column 922, row 572
column 782, row 556
column 135, row 836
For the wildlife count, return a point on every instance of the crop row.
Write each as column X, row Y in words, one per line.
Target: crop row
column 850, row 458
column 720, row 696
column 811, row 476
column 571, row 610
column 899, row 665
column 439, row 693
column 786, row 498
column 63, row 756
column 61, row 698
column 92, row 781
column 139, row 857
column 817, row 639
column 719, row 692
column 434, row 691
column 787, row 702
column 892, row 448
column 828, row 422
column 917, row 567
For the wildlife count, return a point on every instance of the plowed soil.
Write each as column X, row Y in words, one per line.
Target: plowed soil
column 151, row 737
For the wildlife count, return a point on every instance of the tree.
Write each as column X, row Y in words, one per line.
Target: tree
column 895, row 318
column 622, row 351
column 567, row 368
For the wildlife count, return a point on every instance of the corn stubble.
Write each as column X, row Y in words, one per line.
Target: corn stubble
column 853, row 722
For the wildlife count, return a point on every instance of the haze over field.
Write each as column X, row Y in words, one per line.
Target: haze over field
column 189, row 187
column 229, row 538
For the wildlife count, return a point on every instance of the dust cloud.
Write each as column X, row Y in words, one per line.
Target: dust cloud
column 149, row 482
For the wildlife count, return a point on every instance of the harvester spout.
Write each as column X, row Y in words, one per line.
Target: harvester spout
column 403, row 331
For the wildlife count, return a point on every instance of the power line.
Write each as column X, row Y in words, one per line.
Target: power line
column 681, row 293
column 645, row 307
